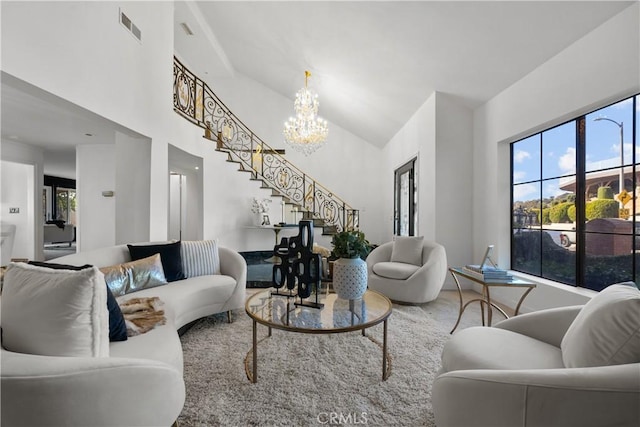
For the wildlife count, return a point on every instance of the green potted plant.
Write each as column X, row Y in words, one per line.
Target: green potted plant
column 350, row 244
column 349, row 270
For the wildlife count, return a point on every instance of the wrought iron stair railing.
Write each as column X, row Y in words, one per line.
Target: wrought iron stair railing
column 195, row 101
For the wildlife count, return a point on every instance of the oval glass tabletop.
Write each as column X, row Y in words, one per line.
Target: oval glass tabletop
column 337, row 314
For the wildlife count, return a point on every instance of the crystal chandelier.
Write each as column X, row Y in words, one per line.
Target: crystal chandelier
column 306, row 132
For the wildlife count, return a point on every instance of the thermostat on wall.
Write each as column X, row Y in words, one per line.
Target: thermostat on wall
column 107, row 194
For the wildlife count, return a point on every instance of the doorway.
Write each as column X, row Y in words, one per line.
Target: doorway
column 59, row 206
column 177, row 205
column 185, row 221
column 405, row 191
column 59, row 199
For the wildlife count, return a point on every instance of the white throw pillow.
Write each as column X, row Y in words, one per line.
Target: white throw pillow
column 200, row 257
column 55, row 312
column 606, row 331
column 407, row 250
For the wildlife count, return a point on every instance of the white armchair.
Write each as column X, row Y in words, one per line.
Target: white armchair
column 542, row 368
column 408, row 283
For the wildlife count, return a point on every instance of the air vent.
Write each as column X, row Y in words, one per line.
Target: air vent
column 130, row 26
column 186, row 28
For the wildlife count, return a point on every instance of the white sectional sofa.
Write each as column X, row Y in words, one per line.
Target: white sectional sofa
column 141, row 382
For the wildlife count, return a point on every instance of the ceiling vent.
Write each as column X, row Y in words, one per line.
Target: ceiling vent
column 130, row 26
column 186, row 28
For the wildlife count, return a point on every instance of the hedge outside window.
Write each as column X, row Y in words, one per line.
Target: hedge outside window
column 575, row 217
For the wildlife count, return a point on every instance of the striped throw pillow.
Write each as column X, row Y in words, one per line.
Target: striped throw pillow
column 200, row 257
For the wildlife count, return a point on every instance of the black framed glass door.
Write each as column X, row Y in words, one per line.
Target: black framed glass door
column 405, row 199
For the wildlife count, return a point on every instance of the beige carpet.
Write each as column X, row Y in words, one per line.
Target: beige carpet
column 304, row 379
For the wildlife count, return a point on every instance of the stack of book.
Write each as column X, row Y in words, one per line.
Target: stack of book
column 488, row 274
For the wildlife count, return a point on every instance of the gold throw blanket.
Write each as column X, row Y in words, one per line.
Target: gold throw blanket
column 142, row 314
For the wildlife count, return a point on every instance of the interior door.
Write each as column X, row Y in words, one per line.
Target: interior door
column 177, row 205
column 405, row 199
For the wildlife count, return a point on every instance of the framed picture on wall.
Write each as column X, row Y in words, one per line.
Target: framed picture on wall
column 265, row 220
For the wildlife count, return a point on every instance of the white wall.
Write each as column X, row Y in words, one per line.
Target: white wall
column 454, row 177
column 440, row 135
column 132, row 188
column 417, row 138
column 93, row 62
column 25, row 154
column 95, row 173
column 17, row 188
column 601, row 67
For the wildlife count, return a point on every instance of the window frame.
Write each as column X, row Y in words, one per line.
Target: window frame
column 410, row 168
column 581, row 179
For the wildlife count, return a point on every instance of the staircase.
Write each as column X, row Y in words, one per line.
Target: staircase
column 195, row 101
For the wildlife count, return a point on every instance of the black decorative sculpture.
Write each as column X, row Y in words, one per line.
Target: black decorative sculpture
column 299, row 268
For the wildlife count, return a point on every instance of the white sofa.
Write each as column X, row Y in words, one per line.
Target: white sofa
column 141, row 382
column 54, row 234
column 520, row 372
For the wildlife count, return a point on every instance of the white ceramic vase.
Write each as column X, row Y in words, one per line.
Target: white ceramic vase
column 350, row 277
column 258, row 218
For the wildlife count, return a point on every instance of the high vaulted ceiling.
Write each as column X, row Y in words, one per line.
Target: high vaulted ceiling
column 375, row 63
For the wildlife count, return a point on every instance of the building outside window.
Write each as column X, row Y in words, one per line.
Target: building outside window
column 574, row 188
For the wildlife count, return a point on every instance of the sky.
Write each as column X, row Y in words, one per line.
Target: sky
column 558, row 146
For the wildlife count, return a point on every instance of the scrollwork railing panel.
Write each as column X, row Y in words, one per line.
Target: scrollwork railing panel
column 195, row 101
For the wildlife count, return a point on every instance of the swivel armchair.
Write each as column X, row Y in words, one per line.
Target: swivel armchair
column 407, row 278
column 566, row 366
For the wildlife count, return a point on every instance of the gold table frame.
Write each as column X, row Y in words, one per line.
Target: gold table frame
column 485, row 299
column 253, row 310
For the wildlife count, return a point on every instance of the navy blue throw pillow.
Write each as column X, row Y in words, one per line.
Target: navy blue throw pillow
column 169, row 256
column 55, row 266
column 117, row 327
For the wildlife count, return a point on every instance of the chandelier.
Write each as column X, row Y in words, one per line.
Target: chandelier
column 306, row 132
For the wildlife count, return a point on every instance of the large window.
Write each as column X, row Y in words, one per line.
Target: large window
column 574, row 208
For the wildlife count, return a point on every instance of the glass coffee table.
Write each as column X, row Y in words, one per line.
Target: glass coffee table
column 336, row 316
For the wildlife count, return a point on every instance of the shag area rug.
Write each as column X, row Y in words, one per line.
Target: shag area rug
column 305, row 379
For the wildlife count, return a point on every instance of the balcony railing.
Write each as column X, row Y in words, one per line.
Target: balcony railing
column 196, row 102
